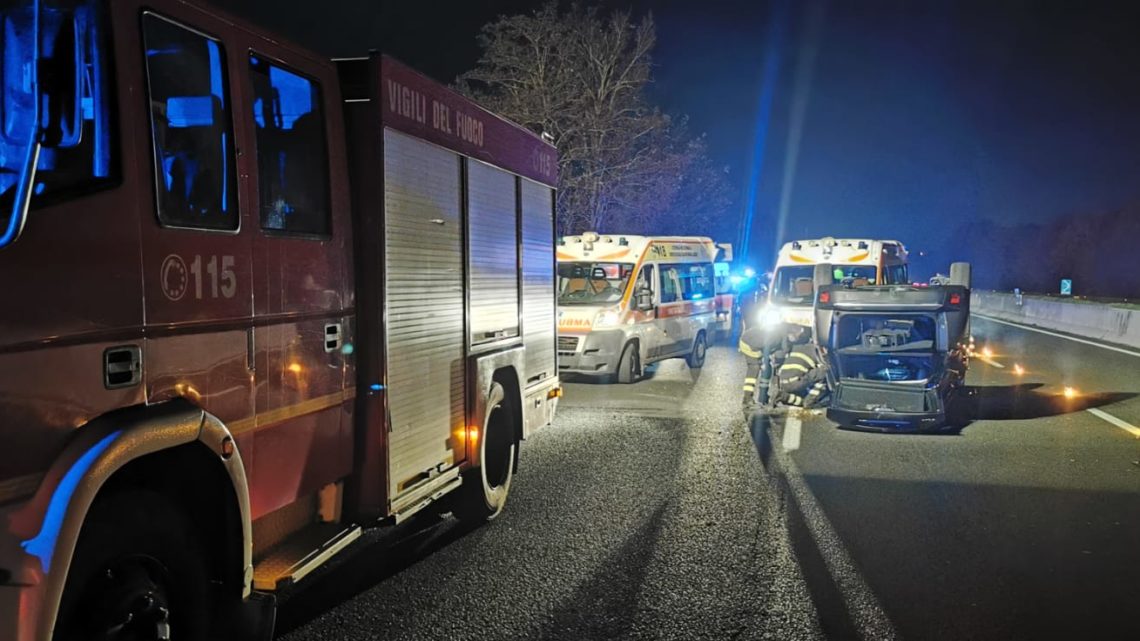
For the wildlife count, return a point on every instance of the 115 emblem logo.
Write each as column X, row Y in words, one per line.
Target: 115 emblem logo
column 176, row 278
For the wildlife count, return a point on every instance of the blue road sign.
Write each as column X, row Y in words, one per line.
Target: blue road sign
column 1066, row 287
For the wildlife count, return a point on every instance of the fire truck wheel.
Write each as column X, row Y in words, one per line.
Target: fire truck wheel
column 696, row 358
column 629, row 367
column 484, row 491
column 138, row 573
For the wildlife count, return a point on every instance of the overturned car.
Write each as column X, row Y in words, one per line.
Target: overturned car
column 896, row 354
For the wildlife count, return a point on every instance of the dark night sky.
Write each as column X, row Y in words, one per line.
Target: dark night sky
column 919, row 115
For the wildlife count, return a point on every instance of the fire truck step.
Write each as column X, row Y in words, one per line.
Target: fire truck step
column 291, row 560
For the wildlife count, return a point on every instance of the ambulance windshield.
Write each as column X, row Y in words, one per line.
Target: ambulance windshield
column 794, row 284
column 588, row 283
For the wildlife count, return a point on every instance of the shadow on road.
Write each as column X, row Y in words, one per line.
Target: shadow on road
column 605, row 606
column 982, row 560
column 952, row 560
column 363, row 568
column 1022, row 402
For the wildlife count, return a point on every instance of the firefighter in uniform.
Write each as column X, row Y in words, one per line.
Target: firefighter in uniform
column 761, row 345
column 802, row 378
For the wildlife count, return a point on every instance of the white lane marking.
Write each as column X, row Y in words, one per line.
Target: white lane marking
column 867, row 614
column 1045, row 331
column 1124, row 425
column 792, row 427
column 990, row 361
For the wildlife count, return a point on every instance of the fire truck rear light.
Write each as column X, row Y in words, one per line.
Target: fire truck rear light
column 825, row 297
column 955, row 299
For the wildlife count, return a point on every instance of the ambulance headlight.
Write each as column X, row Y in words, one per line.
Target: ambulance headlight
column 769, row 316
column 607, row 318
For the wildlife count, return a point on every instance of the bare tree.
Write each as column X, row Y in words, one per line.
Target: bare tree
column 580, row 76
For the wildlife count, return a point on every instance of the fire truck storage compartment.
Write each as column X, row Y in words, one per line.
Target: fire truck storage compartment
column 423, row 299
column 536, row 204
column 492, row 262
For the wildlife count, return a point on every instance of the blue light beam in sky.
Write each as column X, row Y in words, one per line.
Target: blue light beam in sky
column 774, row 39
column 801, row 94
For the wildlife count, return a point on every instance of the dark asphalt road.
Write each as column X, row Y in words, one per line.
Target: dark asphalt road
column 642, row 513
column 645, row 512
column 1023, row 525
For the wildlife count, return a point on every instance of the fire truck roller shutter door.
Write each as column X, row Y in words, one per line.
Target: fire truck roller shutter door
column 424, row 303
column 492, row 230
column 537, row 204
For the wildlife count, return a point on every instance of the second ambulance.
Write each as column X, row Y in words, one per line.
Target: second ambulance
column 854, row 262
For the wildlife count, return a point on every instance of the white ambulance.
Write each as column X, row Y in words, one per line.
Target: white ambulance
column 628, row 301
column 854, row 261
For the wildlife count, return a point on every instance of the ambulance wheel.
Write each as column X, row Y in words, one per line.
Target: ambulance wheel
column 138, row 573
column 696, row 358
column 629, row 367
column 484, row 491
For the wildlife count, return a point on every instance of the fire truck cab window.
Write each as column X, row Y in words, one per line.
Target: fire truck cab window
column 78, row 152
column 292, row 153
column 190, row 123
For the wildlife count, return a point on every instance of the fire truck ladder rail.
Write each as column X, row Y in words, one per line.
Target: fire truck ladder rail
column 293, row 559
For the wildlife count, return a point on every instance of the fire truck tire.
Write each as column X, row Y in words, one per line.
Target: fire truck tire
column 629, row 367
column 696, row 358
column 484, row 492
column 138, row 573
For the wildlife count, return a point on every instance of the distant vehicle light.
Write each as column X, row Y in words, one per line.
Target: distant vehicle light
column 1018, row 369
column 1070, row 392
column 749, row 272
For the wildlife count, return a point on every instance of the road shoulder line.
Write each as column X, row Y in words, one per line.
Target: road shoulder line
column 863, row 607
column 1124, row 425
column 1031, row 328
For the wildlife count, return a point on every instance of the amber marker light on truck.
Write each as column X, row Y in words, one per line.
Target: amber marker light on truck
column 1071, row 392
column 1018, row 369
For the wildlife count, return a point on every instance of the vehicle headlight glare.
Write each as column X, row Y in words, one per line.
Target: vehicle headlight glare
column 607, row 318
column 770, row 316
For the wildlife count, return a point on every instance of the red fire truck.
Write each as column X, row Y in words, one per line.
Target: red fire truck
column 253, row 301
